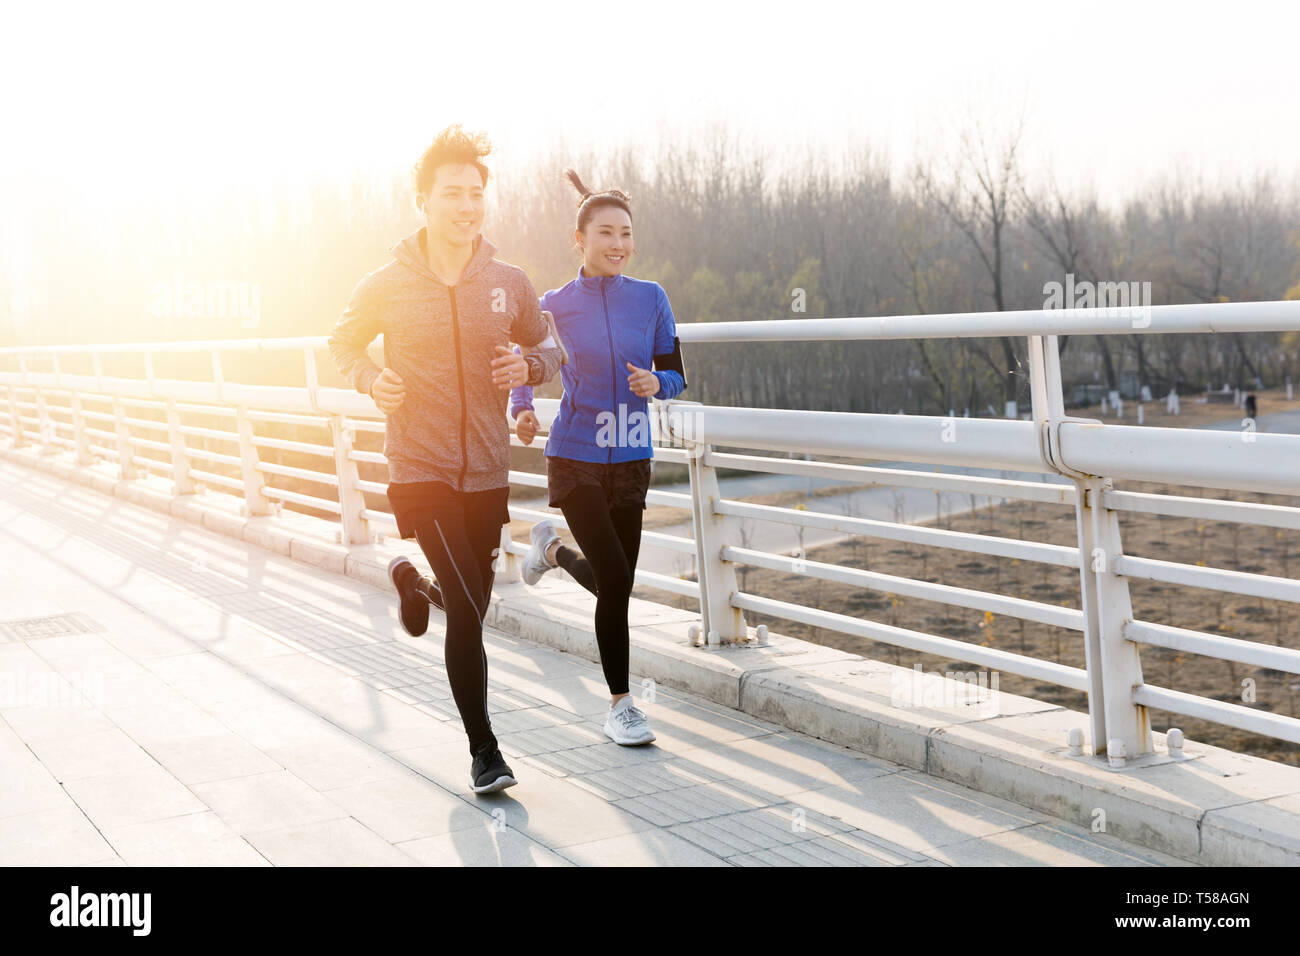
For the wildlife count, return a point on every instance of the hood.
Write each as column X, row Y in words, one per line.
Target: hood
column 410, row 253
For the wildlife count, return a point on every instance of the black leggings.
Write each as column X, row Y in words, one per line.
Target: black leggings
column 459, row 547
column 610, row 539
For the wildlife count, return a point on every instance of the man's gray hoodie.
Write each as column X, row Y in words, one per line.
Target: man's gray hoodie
column 451, row 425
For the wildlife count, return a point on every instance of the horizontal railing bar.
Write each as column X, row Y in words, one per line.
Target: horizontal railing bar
column 206, row 409
column 914, row 534
column 1214, row 645
column 311, row 501
column 1200, row 457
column 1219, row 712
column 1209, row 509
column 139, row 442
column 1148, row 320
column 1058, row 674
column 1158, row 319
column 1214, row 579
column 373, row 457
column 271, row 468
column 208, row 345
column 144, row 423
column 374, row 487
column 669, row 542
column 664, row 582
column 197, row 431
column 1002, row 444
column 153, row 464
column 203, row 453
column 223, row 481
column 527, row 478
column 1050, row 614
column 288, row 444
column 1063, row 494
column 288, row 418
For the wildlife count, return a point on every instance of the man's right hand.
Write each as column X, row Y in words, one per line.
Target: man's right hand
column 526, row 426
column 388, row 391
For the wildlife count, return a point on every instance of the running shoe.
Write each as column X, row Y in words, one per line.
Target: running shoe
column 627, row 725
column 535, row 563
column 490, row 772
column 414, row 608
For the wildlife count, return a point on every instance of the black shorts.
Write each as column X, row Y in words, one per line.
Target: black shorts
column 416, row 503
column 624, row 483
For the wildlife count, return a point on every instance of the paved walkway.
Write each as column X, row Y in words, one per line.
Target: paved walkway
column 192, row 699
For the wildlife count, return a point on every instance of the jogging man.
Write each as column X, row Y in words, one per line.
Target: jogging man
column 448, row 311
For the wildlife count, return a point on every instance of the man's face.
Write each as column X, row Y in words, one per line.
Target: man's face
column 453, row 207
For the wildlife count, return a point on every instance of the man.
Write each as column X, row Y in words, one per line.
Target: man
column 448, row 311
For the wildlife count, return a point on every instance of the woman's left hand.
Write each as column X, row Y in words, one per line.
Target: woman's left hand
column 643, row 382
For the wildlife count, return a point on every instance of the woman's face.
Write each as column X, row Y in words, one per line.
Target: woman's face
column 607, row 243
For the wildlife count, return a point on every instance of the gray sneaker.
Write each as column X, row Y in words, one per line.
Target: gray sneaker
column 627, row 725
column 535, row 563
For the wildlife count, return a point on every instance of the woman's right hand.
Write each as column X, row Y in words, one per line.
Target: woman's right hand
column 388, row 391
column 526, row 426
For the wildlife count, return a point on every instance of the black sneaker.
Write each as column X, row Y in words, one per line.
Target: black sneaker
column 414, row 609
column 490, row 772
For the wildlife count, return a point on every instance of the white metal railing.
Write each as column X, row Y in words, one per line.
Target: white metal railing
column 49, row 407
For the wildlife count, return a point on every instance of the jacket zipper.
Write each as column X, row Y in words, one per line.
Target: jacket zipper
column 460, row 377
column 613, row 373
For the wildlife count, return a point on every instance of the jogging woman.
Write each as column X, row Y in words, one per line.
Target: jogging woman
column 598, row 454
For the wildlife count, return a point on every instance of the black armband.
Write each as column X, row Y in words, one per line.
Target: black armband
column 672, row 362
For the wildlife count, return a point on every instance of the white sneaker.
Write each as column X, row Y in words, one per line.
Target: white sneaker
column 627, row 725
column 535, row 563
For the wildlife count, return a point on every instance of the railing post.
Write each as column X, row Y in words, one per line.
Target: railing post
column 19, row 438
column 722, row 623
column 1112, row 661
column 1127, row 723
column 125, row 465
column 182, row 483
column 256, row 502
column 13, row 414
column 44, row 423
column 356, row 529
column 508, row 564
column 82, row 443
column 352, row 501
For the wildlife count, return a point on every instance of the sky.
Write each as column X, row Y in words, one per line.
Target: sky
column 127, row 99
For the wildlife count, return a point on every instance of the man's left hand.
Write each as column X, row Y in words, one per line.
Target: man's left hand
column 509, row 369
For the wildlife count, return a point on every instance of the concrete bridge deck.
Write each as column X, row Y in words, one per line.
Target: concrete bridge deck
column 197, row 700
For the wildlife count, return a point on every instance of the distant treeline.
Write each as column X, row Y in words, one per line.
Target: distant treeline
column 729, row 239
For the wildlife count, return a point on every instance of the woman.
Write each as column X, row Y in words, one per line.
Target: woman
column 598, row 453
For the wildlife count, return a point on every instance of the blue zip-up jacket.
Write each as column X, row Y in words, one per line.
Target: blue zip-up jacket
column 604, row 323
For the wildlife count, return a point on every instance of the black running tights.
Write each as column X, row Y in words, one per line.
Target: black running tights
column 610, row 539
column 460, row 548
